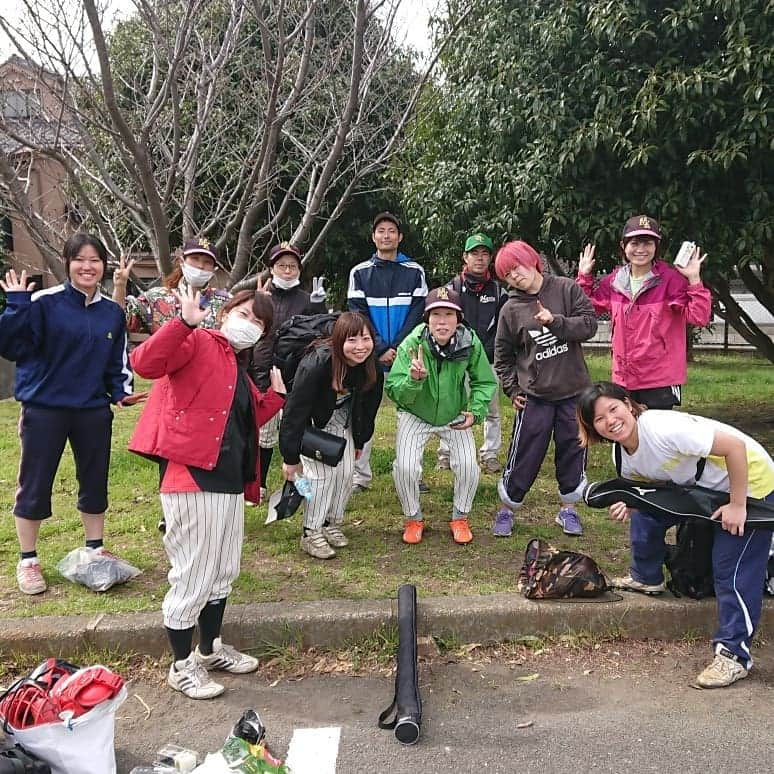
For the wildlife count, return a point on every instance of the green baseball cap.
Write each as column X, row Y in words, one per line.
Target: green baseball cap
column 478, row 240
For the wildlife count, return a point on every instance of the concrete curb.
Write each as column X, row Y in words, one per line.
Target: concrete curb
column 333, row 623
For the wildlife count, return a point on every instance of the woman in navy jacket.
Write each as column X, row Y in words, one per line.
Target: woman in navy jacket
column 69, row 344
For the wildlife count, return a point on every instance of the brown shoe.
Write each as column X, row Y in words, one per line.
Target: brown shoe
column 491, row 465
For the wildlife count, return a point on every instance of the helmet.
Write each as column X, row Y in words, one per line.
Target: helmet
column 83, row 690
column 27, row 704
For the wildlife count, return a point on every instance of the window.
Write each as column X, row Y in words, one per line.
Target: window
column 20, row 103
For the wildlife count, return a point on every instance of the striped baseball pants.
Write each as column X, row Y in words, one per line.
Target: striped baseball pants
column 331, row 487
column 410, row 441
column 203, row 541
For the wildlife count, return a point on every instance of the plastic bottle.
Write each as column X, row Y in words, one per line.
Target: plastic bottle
column 303, row 487
column 153, row 770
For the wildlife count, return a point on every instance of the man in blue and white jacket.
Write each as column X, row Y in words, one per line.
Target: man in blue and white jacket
column 389, row 288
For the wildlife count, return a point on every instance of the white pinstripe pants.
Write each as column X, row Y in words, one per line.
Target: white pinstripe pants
column 410, row 441
column 203, row 541
column 331, row 487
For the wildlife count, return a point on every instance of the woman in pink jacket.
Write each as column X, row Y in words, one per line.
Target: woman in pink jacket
column 201, row 425
column 650, row 304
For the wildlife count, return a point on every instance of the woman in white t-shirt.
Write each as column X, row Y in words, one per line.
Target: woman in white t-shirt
column 667, row 446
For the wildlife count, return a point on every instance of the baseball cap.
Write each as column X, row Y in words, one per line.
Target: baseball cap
column 443, row 297
column 641, row 225
column 387, row 216
column 281, row 249
column 201, row 245
column 478, row 240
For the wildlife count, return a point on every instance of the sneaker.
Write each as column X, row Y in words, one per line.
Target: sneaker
column 334, row 536
column 30, row 578
column 491, row 465
column 226, row 658
column 191, row 678
column 356, row 488
column 568, row 520
column 503, row 523
column 628, row 583
column 423, row 487
column 724, row 670
column 412, row 531
column 443, row 464
column 315, row 544
column 461, row 531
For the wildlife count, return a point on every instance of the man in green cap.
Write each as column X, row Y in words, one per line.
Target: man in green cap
column 482, row 298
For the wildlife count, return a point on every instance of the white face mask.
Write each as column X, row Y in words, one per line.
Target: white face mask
column 241, row 333
column 196, row 278
column 285, row 284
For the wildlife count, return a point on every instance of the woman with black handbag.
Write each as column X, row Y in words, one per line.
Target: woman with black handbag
column 336, row 394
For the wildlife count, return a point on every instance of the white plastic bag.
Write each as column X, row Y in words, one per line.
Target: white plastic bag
column 214, row 763
column 95, row 570
column 83, row 745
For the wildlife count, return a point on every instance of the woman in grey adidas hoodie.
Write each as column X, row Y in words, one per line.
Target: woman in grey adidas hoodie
column 539, row 360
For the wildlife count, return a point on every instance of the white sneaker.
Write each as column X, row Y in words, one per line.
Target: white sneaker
column 315, row 544
column 29, row 576
column 334, row 536
column 724, row 670
column 227, row 659
column 191, row 678
column 627, row 583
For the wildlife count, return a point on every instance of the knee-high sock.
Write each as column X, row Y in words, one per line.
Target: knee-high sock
column 210, row 622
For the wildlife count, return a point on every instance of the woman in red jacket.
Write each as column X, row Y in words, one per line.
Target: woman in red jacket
column 201, row 424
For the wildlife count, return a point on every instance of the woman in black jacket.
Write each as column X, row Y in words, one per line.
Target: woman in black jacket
column 337, row 388
column 289, row 299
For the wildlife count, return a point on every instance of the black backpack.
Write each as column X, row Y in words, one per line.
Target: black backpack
column 293, row 338
column 689, row 561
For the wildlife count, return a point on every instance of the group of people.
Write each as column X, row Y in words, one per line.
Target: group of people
column 218, row 406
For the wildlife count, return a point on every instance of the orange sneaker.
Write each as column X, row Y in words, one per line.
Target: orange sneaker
column 461, row 531
column 412, row 532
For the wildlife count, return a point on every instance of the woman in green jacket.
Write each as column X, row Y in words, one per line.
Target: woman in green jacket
column 442, row 383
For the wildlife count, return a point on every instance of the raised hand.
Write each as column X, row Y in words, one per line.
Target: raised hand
column 692, row 270
column 318, row 294
column 13, row 284
column 543, row 316
column 586, row 260
column 417, row 369
column 122, row 272
column 190, row 310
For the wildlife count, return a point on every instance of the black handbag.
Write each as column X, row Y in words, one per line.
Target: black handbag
column 323, row 447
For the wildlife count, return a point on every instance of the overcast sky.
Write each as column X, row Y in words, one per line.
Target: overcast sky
column 411, row 24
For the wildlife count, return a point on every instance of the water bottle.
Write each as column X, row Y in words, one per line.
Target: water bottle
column 303, row 487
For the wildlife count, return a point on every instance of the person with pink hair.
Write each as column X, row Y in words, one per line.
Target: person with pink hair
column 539, row 360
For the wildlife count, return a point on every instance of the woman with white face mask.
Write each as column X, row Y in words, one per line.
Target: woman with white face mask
column 201, row 425
column 148, row 311
column 284, row 286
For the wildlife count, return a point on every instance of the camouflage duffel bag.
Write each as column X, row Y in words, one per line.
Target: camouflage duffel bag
column 548, row 573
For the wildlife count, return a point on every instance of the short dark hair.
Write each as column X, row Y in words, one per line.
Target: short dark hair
column 79, row 240
column 263, row 306
column 587, row 433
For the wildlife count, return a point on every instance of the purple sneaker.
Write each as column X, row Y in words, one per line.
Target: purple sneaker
column 503, row 523
column 569, row 521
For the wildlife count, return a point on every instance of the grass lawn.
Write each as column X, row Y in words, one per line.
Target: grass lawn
column 731, row 388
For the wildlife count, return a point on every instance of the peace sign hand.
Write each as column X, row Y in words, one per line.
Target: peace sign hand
column 318, row 294
column 14, row 285
column 417, row 370
column 190, row 310
column 543, row 316
column 122, row 272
